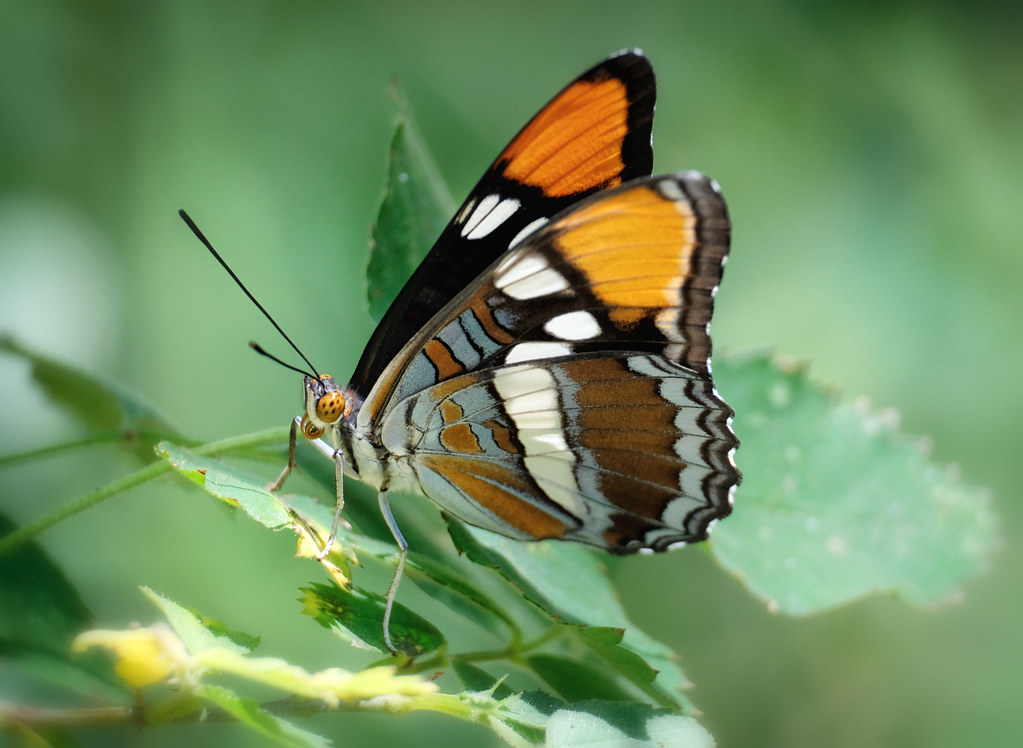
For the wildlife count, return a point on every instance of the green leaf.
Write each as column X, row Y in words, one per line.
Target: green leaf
column 836, row 504
column 524, row 717
column 229, row 484
column 477, row 679
column 220, row 629
column 189, row 627
column 539, row 571
column 574, row 577
column 575, row 680
column 459, row 595
column 606, row 642
column 358, row 618
column 249, row 713
column 415, row 208
column 94, row 401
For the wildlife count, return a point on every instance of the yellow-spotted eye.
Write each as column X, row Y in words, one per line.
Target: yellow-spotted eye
column 330, row 407
column 310, row 430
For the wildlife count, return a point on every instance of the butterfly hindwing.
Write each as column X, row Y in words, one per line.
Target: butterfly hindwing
column 594, row 135
column 620, row 451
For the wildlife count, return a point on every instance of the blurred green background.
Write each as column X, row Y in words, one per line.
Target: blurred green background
column 871, row 155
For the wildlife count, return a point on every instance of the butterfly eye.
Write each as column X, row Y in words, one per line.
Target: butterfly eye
column 330, row 407
column 309, row 429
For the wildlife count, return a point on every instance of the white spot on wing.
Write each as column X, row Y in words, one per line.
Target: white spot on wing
column 578, row 325
column 500, row 213
column 529, row 229
column 527, row 276
column 464, row 212
column 530, row 400
column 534, row 351
column 480, row 212
column 670, row 190
column 517, row 267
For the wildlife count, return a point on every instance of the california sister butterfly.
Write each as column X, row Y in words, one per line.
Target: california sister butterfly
column 545, row 372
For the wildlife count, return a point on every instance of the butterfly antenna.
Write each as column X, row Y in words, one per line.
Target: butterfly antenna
column 263, row 352
column 202, row 237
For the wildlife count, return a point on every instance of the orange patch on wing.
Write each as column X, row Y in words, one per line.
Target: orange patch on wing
column 635, row 249
column 441, row 358
column 575, row 143
column 485, row 318
column 460, row 438
column 491, row 485
column 451, row 386
column 502, row 436
column 450, row 412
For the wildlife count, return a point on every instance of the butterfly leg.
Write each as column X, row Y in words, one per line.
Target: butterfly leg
column 385, row 509
column 339, row 503
column 292, row 444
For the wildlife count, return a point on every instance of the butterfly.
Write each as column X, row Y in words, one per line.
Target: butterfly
column 545, row 372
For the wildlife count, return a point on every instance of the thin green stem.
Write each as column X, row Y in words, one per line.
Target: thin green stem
column 102, row 437
column 36, row 717
column 513, row 653
column 148, row 473
column 85, row 717
column 80, row 504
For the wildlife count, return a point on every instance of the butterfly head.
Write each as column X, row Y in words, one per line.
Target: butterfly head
column 325, row 405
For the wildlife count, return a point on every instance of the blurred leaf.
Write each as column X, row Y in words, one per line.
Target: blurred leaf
column 219, row 629
column 95, row 402
column 625, row 726
column 248, row 712
column 38, row 603
column 180, row 706
column 415, row 208
column 40, row 613
column 358, row 618
column 836, row 504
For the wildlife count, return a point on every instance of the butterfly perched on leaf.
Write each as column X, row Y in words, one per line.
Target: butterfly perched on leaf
column 545, row 372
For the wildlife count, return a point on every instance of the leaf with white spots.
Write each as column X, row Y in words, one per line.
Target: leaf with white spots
column 836, row 504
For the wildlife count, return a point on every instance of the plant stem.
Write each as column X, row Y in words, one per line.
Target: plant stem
column 80, row 504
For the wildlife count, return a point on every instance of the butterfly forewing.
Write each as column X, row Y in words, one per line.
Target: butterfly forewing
column 594, row 135
column 633, row 269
